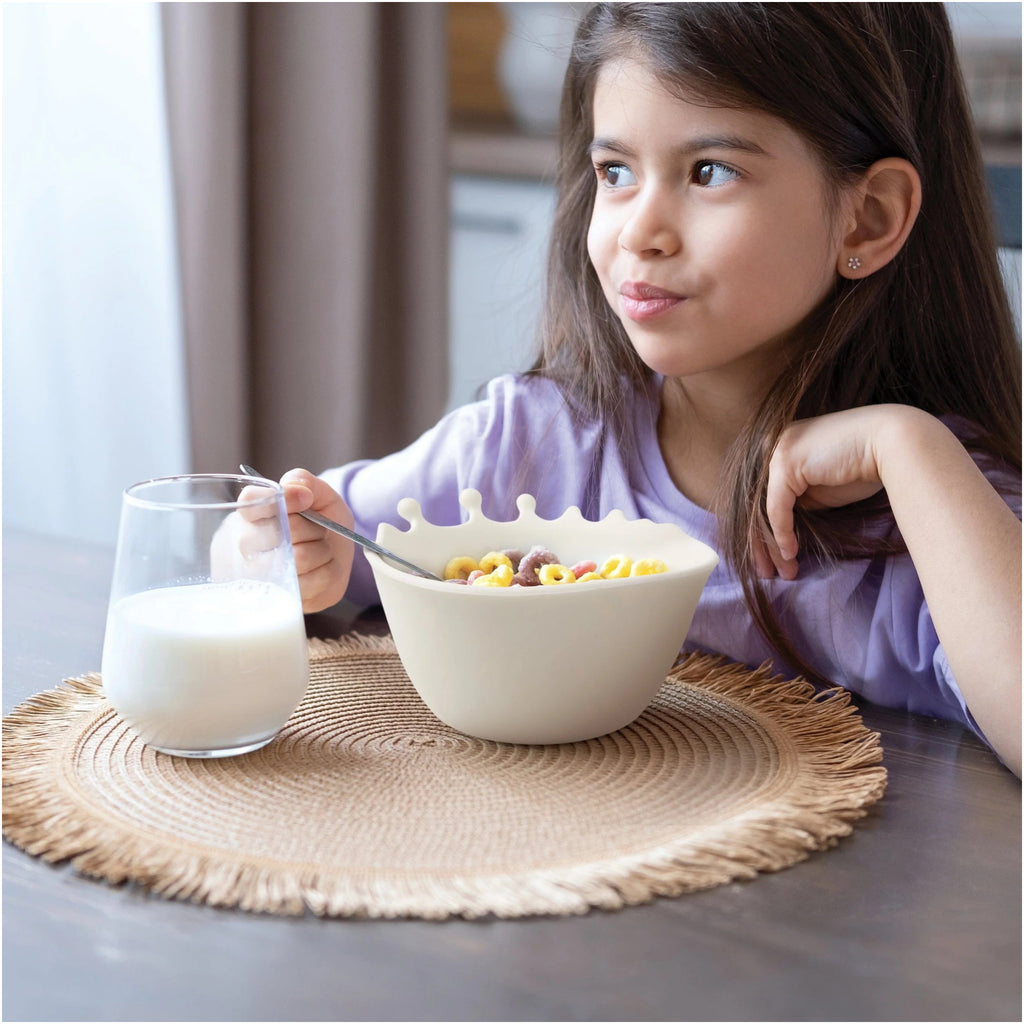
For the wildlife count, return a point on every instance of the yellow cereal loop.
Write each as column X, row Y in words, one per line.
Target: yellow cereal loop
column 493, row 559
column 500, row 576
column 617, row 567
column 587, row 577
column 553, row 574
column 459, row 568
column 648, row 567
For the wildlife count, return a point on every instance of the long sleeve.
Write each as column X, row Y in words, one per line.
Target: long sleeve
column 519, row 439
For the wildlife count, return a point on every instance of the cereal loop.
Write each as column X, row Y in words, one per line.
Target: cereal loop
column 554, row 574
column 582, row 568
column 492, row 560
column 589, row 577
column 616, row 568
column 648, row 567
column 532, row 561
column 459, row 568
column 501, row 576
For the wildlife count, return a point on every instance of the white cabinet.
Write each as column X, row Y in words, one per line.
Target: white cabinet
column 499, row 237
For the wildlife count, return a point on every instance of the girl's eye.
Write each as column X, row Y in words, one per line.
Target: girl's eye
column 615, row 175
column 711, row 174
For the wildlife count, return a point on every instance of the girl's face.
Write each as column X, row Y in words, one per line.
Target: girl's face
column 710, row 233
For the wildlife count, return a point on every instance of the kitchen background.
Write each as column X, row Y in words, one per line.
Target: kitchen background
column 95, row 391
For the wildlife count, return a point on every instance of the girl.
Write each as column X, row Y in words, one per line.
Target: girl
column 775, row 317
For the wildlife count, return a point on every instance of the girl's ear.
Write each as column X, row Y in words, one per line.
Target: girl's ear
column 884, row 207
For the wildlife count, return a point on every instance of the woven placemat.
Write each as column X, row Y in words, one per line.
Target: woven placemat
column 367, row 805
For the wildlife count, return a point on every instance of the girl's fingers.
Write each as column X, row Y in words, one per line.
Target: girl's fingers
column 769, row 560
column 303, row 531
column 323, row 560
column 297, row 497
column 781, row 497
column 321, row 587
column 783, row 490
column 253, row 504
column 255, row 538
column 305, row 492
column 311, row 555
column 786, row 565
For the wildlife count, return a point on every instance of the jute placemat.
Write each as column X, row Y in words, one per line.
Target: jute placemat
column 366, row 805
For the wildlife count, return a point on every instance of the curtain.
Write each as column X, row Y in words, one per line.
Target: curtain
column 94, row 389
column 309, row 153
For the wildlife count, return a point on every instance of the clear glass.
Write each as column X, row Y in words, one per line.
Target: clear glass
column 205, row 648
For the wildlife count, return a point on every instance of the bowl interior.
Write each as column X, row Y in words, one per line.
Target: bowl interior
column 571, row 537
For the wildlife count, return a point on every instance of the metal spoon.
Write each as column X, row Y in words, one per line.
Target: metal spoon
column 330, row 524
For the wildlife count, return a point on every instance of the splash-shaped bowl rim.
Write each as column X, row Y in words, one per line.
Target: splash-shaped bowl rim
column 703, row 562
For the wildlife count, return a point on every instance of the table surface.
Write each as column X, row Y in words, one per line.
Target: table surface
column 915, row 916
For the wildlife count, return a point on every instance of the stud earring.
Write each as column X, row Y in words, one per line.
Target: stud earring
column 853, row 263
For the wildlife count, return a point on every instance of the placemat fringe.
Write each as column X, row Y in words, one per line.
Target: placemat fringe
column 34, row 815
column 824, row 723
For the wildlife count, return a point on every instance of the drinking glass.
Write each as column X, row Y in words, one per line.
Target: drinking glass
column 205, row 647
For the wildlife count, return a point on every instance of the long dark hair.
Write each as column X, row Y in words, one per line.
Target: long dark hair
column 932, row 329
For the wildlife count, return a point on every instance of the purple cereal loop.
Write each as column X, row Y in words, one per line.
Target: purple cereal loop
column 531, row 562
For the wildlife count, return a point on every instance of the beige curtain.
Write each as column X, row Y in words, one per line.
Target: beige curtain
column 309, row 152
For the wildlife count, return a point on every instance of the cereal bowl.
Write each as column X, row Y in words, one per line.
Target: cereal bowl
column 539, row 664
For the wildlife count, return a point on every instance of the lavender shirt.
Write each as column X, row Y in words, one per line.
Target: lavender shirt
column 863, row 624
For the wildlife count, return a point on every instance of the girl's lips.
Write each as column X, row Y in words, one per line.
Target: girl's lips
column 641, row 301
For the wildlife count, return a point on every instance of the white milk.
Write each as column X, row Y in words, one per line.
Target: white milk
column 210, row 666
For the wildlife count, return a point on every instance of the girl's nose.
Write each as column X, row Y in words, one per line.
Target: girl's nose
column 651, row 227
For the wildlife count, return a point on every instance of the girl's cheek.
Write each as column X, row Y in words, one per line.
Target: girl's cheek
column 592, row 245
column 600, row 247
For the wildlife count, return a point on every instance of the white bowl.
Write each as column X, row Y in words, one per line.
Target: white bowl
column 543, row 664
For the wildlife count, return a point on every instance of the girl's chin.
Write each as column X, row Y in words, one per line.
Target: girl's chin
column 675, row 354
column 670, row 361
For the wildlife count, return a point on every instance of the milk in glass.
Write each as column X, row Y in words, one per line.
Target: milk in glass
column 207, row 666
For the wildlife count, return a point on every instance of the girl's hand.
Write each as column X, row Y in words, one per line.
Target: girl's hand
column 824, row 462
column 323, row 559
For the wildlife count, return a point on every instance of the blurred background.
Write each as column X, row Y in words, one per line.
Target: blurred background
column 292, row 234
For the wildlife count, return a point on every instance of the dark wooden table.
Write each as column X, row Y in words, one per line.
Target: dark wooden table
column 916, row 916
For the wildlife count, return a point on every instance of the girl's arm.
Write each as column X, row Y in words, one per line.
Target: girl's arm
column 964, row 540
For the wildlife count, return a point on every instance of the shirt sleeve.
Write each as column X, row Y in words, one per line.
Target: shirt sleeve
column 519, row 439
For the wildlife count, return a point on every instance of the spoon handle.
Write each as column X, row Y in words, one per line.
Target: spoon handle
column 358, row 538
column 330, row 524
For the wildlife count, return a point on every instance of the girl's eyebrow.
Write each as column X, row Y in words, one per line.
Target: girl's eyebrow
column 695, row 145
column 607, row 143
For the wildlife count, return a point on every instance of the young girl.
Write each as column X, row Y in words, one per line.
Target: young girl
column 775, row 317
